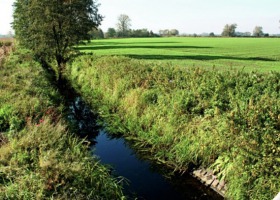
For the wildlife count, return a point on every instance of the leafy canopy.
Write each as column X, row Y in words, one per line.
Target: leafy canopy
column 50, row 28
column 123, row 25
column 229, row 30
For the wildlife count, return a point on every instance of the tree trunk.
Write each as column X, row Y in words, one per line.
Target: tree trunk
column 61, row 64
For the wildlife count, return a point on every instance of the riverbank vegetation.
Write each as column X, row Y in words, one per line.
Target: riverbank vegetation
column 223, row 119
column 40, row 158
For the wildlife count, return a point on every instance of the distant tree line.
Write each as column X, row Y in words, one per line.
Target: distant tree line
column 96, row 33
column 123, row 30
column 113, row 33
column 167, row 32
column 230, row 31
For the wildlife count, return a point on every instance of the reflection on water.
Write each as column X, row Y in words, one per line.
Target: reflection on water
column 146, row 180
column 82, row 119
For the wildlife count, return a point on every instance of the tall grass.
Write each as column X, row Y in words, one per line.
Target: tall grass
column 40, row 158
column 6, row 42
column 229, row 121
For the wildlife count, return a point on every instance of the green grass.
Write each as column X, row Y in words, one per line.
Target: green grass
column 39, row 157
column 229, row 120
column 262, row 54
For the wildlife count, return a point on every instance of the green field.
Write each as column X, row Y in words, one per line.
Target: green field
column 261, row 54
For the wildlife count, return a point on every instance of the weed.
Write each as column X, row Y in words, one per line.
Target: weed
column 39, row 158
column 225, row 119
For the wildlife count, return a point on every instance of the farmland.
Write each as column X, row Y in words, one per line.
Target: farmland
column 202, row 106
column 158, row 93
column 257, row 54
column 224, row 119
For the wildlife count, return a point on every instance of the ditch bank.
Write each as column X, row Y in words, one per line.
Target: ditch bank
column 227, row 121
column 145, row 178
column 40, row 158
column 57, row 164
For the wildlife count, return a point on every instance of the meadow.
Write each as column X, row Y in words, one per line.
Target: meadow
column 259, row 54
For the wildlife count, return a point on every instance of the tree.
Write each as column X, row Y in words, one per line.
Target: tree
column 167, row 32
column 212, row 34
column 174, row 32
column 50, row 28
column 258, row 31
column 96, row 34
column 242, row 34
column 123, row 25
column 100, row 34
column 229, row 30
column 151, row 33
column 111, row 33
column 139, row 33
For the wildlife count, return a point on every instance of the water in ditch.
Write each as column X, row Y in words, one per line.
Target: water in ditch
column 146, row 180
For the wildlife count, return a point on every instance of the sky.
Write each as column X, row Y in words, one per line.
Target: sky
column 187, row 16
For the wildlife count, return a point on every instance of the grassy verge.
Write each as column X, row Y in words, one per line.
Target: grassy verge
column 39, row 158
column 229, row 121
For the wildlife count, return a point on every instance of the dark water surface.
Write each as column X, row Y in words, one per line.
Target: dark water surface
column 146, row 180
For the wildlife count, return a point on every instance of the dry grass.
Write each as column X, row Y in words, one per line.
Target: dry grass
column 6, row 39
column 6, row 45
column 3, row 140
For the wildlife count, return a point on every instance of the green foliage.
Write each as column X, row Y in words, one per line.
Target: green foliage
column 51, row 28
column 96, row 34
column 229, row 120
column 258, row 31
column 44, row 161
column 111, row 33
column 9, row 121
column 5, row 112
column 123, row 25
column 229, row 30
column 39, row 158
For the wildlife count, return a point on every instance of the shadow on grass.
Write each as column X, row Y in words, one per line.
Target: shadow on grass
column 97, row 44
column 196, row 57
column 116, row 45
column 139, row 47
